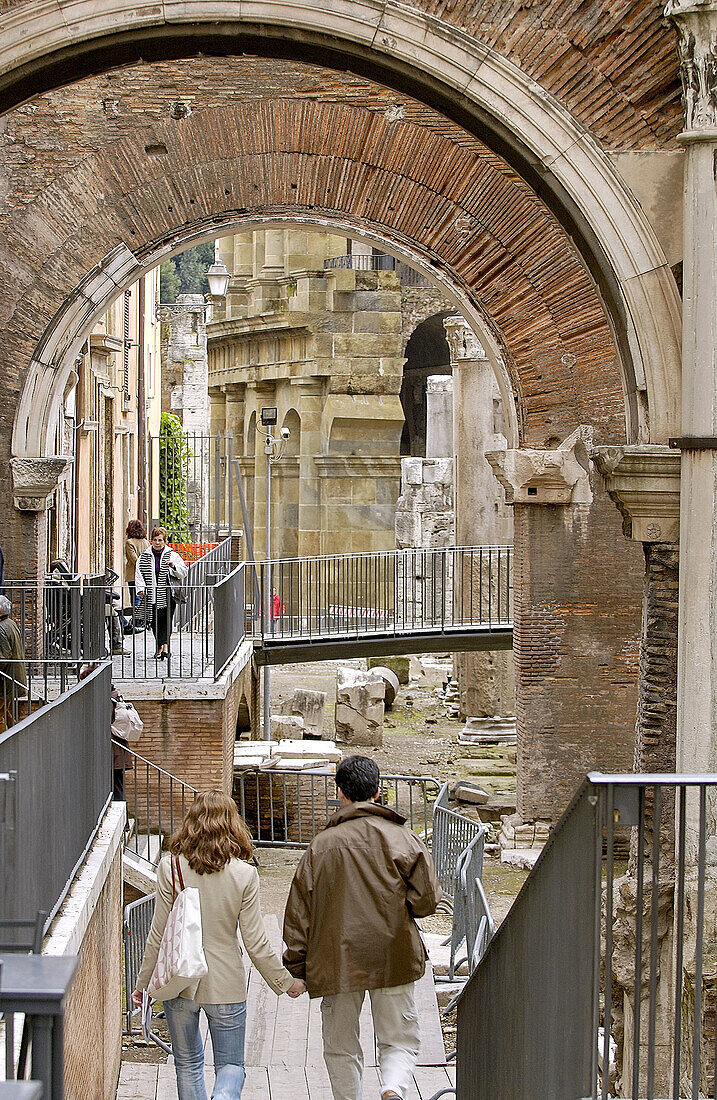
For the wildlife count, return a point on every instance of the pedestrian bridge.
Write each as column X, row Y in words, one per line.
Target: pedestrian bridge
column 400, row 601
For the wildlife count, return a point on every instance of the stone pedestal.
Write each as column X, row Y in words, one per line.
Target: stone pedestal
column 486, row 680
column 359, row 706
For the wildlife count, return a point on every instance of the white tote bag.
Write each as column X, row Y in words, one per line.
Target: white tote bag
column 180, row 962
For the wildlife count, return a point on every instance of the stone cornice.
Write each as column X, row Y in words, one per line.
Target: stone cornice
column 644, row 483
column 560, row 476
column 34, row 479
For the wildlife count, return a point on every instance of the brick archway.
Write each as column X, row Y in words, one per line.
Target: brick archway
column 539, row 92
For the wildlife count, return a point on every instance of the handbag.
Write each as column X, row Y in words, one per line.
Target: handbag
column 180, row 962
column 178, row 593
column 126, row 722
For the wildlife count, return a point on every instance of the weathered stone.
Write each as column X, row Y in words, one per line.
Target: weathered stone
column 286, row 727
column 309, row 705
column 390, row 680
column 359, row 706
column 471, row 792
column 400, row 666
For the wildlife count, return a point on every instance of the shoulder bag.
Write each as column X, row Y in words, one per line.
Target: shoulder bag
column 180, row 961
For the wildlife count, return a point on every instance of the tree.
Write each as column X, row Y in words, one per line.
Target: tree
column 186, row 273
column 174, row 456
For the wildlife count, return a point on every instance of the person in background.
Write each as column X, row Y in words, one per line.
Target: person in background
column 349, row 928
column 13, row 670
column 157, row 567
column 135, row 542
column 213, row 848
column 277, row 609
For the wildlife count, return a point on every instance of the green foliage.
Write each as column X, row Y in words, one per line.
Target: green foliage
column 169, row 281
column 186, row 273
column 174, row 457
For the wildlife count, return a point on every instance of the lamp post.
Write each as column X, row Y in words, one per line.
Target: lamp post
column 269, row 418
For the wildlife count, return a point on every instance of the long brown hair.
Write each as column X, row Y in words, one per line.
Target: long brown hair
column 211, row 834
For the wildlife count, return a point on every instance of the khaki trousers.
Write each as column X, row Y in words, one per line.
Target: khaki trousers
column 398, row 1039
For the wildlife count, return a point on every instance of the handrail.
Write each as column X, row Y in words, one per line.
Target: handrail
column 156, row 801
column 390, row 553
column 550, row 982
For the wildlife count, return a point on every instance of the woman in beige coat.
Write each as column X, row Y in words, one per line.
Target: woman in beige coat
column 212, row 847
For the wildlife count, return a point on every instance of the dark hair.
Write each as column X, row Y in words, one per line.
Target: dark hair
column 358, row 777
column 160, row 531
column 212, row 833
column 135, row 529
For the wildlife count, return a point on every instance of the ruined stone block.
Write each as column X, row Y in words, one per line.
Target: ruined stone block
column 359, row 706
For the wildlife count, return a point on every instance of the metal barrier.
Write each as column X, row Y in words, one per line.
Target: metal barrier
column 61, row 618
column 156, row 803
column 55, row 784
column 203, row 574
column 199, row 469
column 538, row 1015
column 136, row 923
column 35, row 986
column 393, row 592
column 470, row 906
column 229, row 617
column 451, row 835
column 285, row 808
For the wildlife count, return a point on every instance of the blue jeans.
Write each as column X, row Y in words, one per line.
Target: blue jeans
column 227, row 1024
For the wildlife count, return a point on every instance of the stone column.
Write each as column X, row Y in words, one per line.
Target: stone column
column 309, row 404
column 644, row 483
column 234, row 422
column 439, row 416
column 486, row 680
column 576, row 627
column 696, row 24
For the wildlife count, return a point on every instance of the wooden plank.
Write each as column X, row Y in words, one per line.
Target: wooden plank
column 432, row 1052
column 261, row 1006
column 137, row 1081
column 431, row 1079
column 287, row 1083
column 256, row 1086
column 317, row 1079
column 167, row 1081
column 291, row 1032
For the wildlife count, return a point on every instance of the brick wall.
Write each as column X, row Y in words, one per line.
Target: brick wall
column 578, row 585
column 93, row 1010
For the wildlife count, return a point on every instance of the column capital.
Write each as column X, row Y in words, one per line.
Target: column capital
column 560, row 476
column 644, row 483
column 34, row 479
column 462, row 341
column 696, row 22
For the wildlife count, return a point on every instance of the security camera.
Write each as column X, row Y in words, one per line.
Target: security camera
column 285, row 433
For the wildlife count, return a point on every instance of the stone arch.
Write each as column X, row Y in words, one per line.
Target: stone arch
column 427, row 353
column 292, row 421
column 508, row 99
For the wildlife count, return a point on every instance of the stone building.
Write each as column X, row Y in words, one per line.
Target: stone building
column 314, row 325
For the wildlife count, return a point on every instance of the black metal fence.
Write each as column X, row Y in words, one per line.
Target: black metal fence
column 286, row 808
column 382, row 262
column 552, row 1009
column 192, row 477
column 62, row 617
column 229, row 616
column 393, row 592
column 55, row 783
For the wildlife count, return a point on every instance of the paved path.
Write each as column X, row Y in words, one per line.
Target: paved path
column 283, row 1051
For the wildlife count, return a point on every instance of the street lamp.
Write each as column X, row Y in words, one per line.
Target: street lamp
column 269, row 418
column 218, row 278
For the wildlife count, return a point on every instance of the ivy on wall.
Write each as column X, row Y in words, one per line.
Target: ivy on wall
column 174, row 458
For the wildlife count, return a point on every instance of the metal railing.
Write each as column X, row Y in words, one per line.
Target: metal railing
column 199, row 467
column 391, row 593
column 136, row 923
column 35, row 987
column 62, row 617
column 208, row 625
column 452, row 833
column 360, row 262
column 156, row 803
column 554, row 996
column 286, row 808
column 202, row 576
column 55, row 784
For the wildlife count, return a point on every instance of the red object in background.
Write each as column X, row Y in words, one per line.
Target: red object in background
column 277, row 606
column 192, row 551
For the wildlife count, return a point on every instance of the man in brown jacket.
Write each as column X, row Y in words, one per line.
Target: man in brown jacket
column 349, row 927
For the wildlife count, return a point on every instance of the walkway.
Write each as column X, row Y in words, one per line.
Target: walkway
column 283, row 1051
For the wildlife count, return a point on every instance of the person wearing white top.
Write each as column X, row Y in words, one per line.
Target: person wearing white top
column 157, row 567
